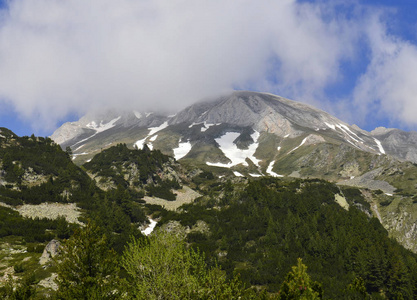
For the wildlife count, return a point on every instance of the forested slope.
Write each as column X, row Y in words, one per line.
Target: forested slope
column 242, row 237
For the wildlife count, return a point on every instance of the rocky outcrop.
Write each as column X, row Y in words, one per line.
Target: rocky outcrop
column 398, row 143
column 51, row 250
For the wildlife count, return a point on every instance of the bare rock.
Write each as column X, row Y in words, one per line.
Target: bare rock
column 51, row 250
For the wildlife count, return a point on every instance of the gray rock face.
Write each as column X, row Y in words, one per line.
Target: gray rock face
column 263, row 112
column 398, row 143
column 51, row 250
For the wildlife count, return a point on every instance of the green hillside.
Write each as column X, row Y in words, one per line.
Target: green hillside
column 241, row 238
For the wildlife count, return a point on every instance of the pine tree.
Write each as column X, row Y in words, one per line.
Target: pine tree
column 87, row 268
column 298, row 285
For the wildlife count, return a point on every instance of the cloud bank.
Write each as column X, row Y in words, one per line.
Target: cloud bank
column 70, row 57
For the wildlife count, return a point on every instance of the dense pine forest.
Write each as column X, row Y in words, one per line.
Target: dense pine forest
column 263, row 238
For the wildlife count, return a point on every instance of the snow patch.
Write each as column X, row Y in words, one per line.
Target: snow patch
column 148, row 114
column 330, row 126
column 98, row 128
column 150, row 228
column 388, row 194
column 348, row 132
column 255, row 175
column 194, row 124
column 269, row 170
column 279, row 148
column 137, row 114
column 154, row 130
column 233, row 153
column 103, row 126
column 287, row 135
column 79, row 147
column 302, row 143
column 378, row 143
column 182, row 150
column 208, row 125
column 139, row 144
column 347, row 128
column 74, row 156
column 237, row 174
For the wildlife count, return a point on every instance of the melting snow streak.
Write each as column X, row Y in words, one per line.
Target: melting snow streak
column 270, row 172
column 378, row 143
column 302, row 143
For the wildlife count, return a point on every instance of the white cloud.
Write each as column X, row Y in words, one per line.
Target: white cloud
column 60, row 57
column 69, row 57
column 388, row 88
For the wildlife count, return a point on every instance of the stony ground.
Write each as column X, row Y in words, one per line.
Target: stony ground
column 185, row 195
column 51, row 211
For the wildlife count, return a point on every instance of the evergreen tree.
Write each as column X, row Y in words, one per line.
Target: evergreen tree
column 88, row 268
column 298, row 285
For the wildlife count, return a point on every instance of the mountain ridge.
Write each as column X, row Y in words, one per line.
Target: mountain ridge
column 239, row 111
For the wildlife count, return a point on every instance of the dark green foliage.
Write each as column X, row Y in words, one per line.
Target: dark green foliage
column 24, row 290
column 88, row 267
column 354, row 195
column 110, row 163
column 40, row 154
column 40, row 157
column 11, row 223
column 298, row 285
column 265, row 228
column 19, row 268
column 163, row 189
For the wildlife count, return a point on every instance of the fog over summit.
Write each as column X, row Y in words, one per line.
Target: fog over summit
column 69, row 58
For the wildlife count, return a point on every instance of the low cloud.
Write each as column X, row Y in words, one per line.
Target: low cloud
column 69, row 57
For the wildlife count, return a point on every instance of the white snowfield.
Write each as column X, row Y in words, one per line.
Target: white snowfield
column 270, row 172
column 378, row 143
column 139, row 144
column 152, row 130
column 98, row 128
column 103, row 126
column 150, row 228
column 237, row 174
column 182, row 150
column 232, row 152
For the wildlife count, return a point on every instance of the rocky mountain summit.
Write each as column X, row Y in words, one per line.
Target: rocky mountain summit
column 240, row 129
column 255, row 134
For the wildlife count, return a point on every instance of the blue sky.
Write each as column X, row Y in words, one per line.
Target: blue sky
column 61, row 59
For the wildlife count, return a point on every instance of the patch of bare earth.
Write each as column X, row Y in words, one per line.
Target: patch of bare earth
column 51, row 211
column 185, row 195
